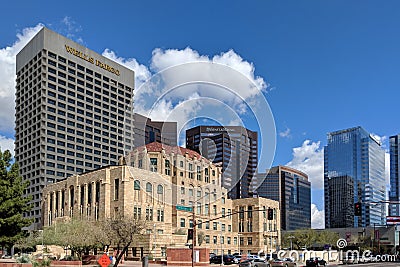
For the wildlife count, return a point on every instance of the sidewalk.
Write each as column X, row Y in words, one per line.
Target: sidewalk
column 138, row 264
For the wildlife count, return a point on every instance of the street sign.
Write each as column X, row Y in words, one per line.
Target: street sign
column 104, row 261
column 183, row 208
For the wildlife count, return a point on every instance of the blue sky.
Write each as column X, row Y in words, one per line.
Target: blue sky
column 330, row 65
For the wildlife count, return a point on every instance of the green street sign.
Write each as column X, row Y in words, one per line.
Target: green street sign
column 183, row 208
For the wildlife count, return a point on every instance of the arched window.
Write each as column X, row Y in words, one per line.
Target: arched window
column 136, row 190
column 149, row 188
column 149, row 193
column 136, row 185
column 160, row 189
column 160, row 194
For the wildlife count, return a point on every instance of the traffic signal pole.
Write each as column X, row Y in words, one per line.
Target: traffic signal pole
column 194, row 235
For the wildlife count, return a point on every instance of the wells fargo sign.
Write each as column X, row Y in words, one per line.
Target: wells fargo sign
column 89, row 59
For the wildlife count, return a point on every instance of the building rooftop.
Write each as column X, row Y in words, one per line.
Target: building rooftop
column 159, row 147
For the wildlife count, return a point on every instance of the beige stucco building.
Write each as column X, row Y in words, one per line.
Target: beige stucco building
column 167, row 186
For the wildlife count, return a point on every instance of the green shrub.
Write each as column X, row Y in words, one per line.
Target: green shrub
column 24, row 259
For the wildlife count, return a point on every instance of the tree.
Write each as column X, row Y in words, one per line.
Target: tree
column 123, row 231
column 308, row 237
column 80, row 235
column 12, row 202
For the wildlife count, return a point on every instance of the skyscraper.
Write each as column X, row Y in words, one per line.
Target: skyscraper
column 235, row 147
column 354, row 168
column 148, row 131
column 73, row 112
column 292, row 190
column 394, row 193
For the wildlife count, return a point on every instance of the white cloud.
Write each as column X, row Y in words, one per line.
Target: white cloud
column 142, row 73
column 234, row 87
column 7, row 77
column 309, row 158
column 163, row 59
column 317, row 218
column 185, row 85
column 72, row 29
column 285, row 134
column 6, row 144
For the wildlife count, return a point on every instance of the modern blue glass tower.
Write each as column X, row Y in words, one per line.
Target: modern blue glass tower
column 394, row 193
column 356, row 158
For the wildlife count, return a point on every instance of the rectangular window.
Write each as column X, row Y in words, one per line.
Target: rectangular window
column 215, row 226
column 153, row 164
column 160, row 215
column 116, row 189
column 149, row 214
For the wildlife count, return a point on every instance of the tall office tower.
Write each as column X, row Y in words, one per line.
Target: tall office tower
column 292, row 190
column 394, row 193
column 73, row 112
column 235, row 148
column 148, row 131
column 357, row 160
column 341, row 188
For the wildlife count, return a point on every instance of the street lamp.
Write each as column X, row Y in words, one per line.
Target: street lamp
column 194, row 222
column 41, row 231
column 239, row 243
column 154, row 240
column 291, row 245
column 220, row 240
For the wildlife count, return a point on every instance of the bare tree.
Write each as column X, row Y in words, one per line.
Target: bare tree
column 123, row 231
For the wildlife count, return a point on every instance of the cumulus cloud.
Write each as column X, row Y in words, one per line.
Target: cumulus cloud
column 6, row 144
column 230, row 85
column 142, row 73
column 182, row 84
column 309, row 158
column 285, row 134
column 7, row 77
column 317, row 218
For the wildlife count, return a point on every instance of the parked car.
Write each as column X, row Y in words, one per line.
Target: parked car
column 228, row 259
column 246, row 263
column 287, row 262
column 254, row 263
column 252, row 257
column 237, row 256
column 315, row 262
column 261, row 263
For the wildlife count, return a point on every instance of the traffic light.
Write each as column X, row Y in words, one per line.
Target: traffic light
column 357, row 209
column 190, row 234
column 270, row 214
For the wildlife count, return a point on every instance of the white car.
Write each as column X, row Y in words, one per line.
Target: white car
column 252, row 257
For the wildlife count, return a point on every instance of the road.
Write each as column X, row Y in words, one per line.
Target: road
column 375, row 264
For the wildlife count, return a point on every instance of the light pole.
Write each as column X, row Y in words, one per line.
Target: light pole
column 41, row 231
column 239, row 243
column 270, row 238
column 154, row 241
column 220, row 240
column 291, row 245
column 194, row 223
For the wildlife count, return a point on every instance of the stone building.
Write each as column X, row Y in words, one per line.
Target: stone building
column 167, row 186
